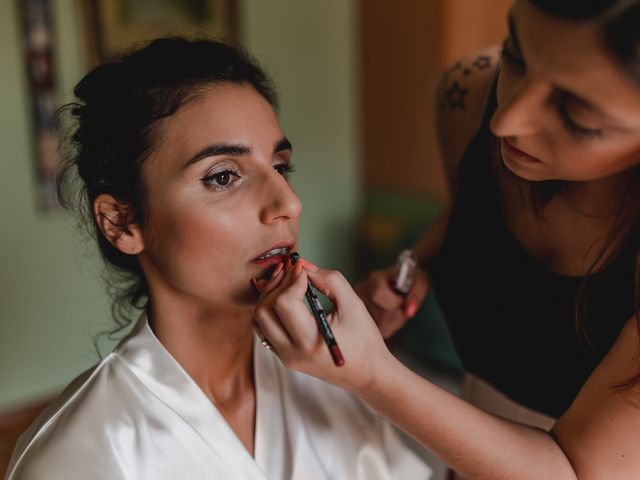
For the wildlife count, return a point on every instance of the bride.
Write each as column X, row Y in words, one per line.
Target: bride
column 183, row 172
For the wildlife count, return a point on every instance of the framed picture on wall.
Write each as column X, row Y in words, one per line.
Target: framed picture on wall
column 42, row 94
column 113, row 26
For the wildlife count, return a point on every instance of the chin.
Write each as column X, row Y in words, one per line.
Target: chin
column 245, row 297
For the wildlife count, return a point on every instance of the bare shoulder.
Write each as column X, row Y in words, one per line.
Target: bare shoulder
column 461, row 96
column 600, row 433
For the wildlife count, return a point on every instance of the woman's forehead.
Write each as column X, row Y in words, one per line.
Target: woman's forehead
column 227, row 113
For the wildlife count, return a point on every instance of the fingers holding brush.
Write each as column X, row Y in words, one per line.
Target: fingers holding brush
column 343, row 347
column 282, row 315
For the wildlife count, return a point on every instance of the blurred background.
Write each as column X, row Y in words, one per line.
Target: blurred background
column 356, row 80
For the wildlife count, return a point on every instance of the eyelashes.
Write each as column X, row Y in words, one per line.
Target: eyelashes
column 574, row 128
column 560, row 98
column 221, row 180
column 511, row 59
column 285, row 169
column 227, row 178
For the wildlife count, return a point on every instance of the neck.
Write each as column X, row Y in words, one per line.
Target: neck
column 213, row 345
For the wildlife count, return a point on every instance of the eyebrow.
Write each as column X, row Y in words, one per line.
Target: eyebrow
column 233, row 150
column 282, row 145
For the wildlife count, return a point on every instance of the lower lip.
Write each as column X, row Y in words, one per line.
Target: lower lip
column 512, row 154
column 270, row 261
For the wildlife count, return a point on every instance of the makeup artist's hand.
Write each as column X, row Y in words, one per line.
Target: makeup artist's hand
column 283, row 319
column 390, row 310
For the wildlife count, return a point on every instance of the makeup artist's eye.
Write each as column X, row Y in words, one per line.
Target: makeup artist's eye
column 570, row 124
column 284, row 169
column 221, row 180
column 574, row 128
column 510, row 58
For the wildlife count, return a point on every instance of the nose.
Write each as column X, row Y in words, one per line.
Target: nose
column 281, row 202
column 520, row 109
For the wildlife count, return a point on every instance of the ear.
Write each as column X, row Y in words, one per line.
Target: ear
column 114, row 220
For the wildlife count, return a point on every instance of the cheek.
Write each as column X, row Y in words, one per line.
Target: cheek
column 196, row 246
column 621, row 158
column 597, row 159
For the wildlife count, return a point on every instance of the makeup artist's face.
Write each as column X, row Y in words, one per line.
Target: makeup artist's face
column 566, row 109
column 218, row 199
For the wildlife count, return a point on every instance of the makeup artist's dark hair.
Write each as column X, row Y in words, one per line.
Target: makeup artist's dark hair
column 619, row 24
column 114, row 118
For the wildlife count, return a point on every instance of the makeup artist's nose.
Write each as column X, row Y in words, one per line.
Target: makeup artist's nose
column 521, row 109
column 281, row 202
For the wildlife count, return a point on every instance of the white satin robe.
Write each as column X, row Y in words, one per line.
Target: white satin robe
column 139, row 415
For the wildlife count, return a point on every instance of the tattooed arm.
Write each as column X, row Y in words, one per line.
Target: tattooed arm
column 460, row 100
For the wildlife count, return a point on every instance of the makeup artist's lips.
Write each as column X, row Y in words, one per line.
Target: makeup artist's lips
column 514, row 155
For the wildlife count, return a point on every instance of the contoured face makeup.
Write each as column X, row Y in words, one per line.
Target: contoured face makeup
column 220, row 208
column 566, row 109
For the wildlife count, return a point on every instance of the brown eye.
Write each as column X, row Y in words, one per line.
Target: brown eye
column 220, row 180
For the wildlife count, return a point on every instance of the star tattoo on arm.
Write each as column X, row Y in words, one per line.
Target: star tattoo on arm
column 482, row 62
column 452, row 69
column 455, row 96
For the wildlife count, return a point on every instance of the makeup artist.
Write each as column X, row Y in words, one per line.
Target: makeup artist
column 535, row 265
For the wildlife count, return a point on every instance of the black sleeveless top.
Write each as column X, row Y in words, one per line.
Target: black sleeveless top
column 511, row 319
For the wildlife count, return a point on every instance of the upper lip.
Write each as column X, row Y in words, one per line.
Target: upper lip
column 288, row 244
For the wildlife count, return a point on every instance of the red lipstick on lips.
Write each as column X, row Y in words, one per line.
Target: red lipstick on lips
column 271, row 258
column 270, row 261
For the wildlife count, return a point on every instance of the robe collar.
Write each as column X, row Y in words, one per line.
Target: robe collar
column 165, row 378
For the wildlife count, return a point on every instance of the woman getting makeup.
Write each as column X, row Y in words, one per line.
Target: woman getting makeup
column 181, row 171
column 535, row 264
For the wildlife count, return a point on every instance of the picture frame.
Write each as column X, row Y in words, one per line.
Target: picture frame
column 39, row 49
column 112, row 27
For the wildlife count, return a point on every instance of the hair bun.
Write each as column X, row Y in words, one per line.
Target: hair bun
column 101, row 82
